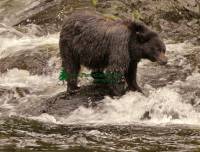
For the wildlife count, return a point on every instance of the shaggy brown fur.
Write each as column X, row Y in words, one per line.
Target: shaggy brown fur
column 100, row 43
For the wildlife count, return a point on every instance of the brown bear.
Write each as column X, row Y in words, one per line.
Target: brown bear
column 107, row 45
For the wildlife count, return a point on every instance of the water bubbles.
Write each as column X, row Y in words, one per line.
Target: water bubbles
column 175, row 102
column 163, row 106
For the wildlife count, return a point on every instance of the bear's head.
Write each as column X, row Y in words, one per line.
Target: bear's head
column 147, row 44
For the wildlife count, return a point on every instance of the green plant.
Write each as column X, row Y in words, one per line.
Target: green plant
column 94, row 2
column 63, row 75
column 136, row 15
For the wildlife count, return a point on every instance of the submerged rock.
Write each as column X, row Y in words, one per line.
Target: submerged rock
column 32, row 30
column 25, row 50
column 62, row 104
column 35, row 60
column 15, row 11
column 9, row 32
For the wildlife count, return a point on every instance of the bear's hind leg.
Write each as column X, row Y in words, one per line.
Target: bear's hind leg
column 71, row 66
column 72, row 74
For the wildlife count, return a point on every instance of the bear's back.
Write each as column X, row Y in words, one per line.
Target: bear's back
column 82, row 21
column 93, row 36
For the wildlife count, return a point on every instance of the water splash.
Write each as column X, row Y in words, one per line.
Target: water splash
column 163, row 105
column 169, row 104
column 9, row 47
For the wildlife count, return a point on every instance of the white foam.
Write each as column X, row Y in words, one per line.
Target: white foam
column 164, row 106
column 36, row 83
column 46, row 118
column 10, row 46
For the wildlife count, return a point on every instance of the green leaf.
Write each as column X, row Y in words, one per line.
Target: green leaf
column 136, row 15
column 94, row 2
column 110, row 16
column 63, row 75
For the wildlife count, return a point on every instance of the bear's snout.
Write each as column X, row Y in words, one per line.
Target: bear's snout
column 162, row 59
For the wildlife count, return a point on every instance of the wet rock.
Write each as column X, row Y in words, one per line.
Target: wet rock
column 181, row 65
column 10, row 97
column 50, row 13
column 9, row 32
column 194, row 59
column 62, row 104
column 4, row 91
column 177, row 20
column 13, row 12
column 31, row 30
column 53, row 11
column 146, row 116
column 115, row 7
column 192, row 5
column 36, row 61
column 15, row 92
column 160, row 76
column 26, row 52
column 22, row 92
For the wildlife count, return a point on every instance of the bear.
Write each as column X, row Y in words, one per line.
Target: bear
column 107, row 45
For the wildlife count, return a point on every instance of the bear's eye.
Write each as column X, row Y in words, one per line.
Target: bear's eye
column 152, row 51
column 164, row 50
column 162, row 47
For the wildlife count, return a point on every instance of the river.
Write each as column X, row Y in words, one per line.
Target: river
column 166, row 118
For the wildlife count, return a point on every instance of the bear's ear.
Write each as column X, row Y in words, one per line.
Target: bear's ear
column 141, row 37
column 138, row 27
column 144, row 37
column 141, row 31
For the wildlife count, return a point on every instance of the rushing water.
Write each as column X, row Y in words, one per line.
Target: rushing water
column 166, row 118
column 171, row 106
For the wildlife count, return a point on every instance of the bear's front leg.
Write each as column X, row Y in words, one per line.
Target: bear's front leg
column 131, row 77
